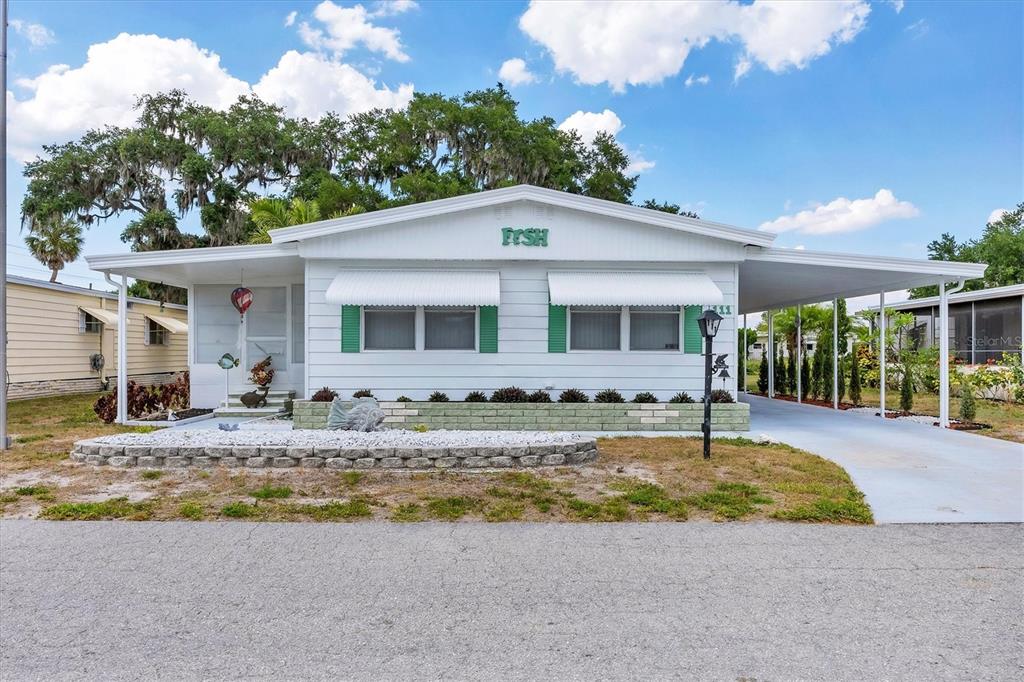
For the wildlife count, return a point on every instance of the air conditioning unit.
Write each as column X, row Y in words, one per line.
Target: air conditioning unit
column 96, row 362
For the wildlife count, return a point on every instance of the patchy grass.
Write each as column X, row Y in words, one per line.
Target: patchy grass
column 635, row 479
column 117, row 508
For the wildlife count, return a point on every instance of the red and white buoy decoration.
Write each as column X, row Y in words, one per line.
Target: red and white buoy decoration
column 241, row 298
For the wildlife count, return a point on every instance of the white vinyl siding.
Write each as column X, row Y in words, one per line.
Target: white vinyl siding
column 522, row 358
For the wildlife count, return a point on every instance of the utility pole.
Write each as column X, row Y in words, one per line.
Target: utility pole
column 4, row 443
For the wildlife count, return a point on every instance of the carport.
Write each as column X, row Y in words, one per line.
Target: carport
column 774, row 278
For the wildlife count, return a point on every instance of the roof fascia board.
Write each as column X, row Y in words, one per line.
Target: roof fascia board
column 1010, row 291
column 213, row 254
column 466, row 202
column 937, row 268
column 85, row 291
column 846, row 293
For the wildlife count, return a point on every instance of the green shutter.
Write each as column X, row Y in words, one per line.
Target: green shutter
column 556, row 328
column 488, row 329
column 691, row 332
column 349, row 329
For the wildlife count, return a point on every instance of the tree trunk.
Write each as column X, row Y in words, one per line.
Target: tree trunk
column 53, row 275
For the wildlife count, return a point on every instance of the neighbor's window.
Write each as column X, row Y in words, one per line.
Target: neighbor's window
column 654, row 328
column 389, row 328
column 449, row 328
column 88, row 324
column 594, row 328
column 155, row 334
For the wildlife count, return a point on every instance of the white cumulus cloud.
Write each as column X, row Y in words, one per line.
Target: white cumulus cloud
column 844, row 215
column 996, row 215
column 309, row 85
column 290, row 19
column 37, row 35
column 589, row 123
column 63, row 102
column 634, row 42
column 387, row 8
column 514, row 72
column 344, row 28
column 692, row 80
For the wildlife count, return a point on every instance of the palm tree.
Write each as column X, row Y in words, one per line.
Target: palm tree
column 270, row 214
column 56, row 243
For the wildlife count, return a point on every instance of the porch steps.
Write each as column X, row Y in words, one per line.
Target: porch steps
column 277, row 402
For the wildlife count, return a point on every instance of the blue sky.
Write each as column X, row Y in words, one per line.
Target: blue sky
column 855, row 127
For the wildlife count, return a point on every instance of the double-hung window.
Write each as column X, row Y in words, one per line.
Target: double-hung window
column 595, row 328
column 654, row 328
column 389, row 328
column 155, row 334
column 419, row 328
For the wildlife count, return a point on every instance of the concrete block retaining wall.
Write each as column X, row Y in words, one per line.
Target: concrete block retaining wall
column 574, row 451
column 543, row 416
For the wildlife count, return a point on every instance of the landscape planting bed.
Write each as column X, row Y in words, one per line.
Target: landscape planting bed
column 391, row 449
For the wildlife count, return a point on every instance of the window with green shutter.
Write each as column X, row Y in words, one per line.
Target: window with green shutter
column 556, row 328
column 488, row 329
column 349, row 329
column 691, row 331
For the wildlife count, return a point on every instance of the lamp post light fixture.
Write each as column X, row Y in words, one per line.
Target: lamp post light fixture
column 708, row 323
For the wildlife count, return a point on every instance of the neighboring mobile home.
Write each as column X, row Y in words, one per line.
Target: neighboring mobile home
column 517, row 286
column 62, row 339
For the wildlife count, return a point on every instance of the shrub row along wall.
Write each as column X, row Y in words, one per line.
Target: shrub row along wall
column 572, row 451
column 543, row 416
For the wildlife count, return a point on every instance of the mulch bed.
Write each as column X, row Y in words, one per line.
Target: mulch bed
column 807, row 401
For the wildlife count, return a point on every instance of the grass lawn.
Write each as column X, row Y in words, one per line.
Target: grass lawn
column 635, row 479
column 1006, row 419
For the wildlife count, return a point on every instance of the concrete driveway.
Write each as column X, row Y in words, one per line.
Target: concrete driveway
column 910, row 473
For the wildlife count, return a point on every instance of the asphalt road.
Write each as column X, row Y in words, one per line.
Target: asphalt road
column 113, row 601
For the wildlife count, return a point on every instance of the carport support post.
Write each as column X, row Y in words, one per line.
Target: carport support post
column 835, row 353
column 746, row 355
column 799, row 354
column 122, row 351
column 771, row 356
column 881, row 352
column 943, row 356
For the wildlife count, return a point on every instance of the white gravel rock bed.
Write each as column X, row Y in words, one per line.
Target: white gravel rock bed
column 391, row 449
column 917, row 418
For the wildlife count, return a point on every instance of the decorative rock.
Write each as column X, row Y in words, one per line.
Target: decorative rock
column 529, row 460
column 501, row 461
column 176, row 462
column 274, row 451
column 391, row 462
column 246, row 452
column 309, row 462
column 352, row 453
column 434, row 453
column 192, row 452
column 407, row 453
column 474, row 462
column 219, row 451
column 136, row 451
column 326, row 453
column 462, row 452
column 121, row 461
column 149, row 462
column 203, row 461
column 380, row 453
column 542, row 450
column 111, row 450
column 90, row 449
column 446, row 462
column 95, row 459
column 516, row 451
column 255, row 462
column 553, row 460
column 590, row 455
column 418, row 463
column 284, row 462
column 302, row 453
column 565, row 448
column 364, row 463
column 489, row 452
column 338, row 463
column 230, row 462
column 78, row 457
column 163, row 452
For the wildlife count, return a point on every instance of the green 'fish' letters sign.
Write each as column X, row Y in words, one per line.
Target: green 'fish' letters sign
column 531, row 236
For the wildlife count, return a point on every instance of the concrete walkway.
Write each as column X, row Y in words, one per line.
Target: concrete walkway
column 910, row 473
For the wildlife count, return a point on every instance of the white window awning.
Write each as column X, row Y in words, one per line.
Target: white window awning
column 633, row 288
column 414, row 287
column 170, row 324
column 107, row 317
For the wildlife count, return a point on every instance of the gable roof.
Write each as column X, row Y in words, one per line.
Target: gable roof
column 611, row 209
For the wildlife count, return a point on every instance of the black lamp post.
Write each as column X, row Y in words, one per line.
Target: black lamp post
column 708, row 323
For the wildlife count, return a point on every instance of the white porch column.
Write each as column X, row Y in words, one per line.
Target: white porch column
column 771, row 356
column 881, row 352
column 122, row 351
column 835, row 353
column 799, row 354
column 943, row 356
column 746, row 355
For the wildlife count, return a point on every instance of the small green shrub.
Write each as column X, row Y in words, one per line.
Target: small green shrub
column 539, row 396
column 270, row 492
column 906, row 391
column 403, row 399
column 968, row 406
column 238, row 510
column 573, row 395
column 476, row 397
column 324, row 395
column 720, row 395
column 762, row 376
column 681, row 397
column 363, row 393
column 645, row 397
column 191, row 510
column 609, row 395
column 438, row 397
column 511, row 394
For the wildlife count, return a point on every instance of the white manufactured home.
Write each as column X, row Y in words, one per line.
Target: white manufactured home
column 518, row 286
